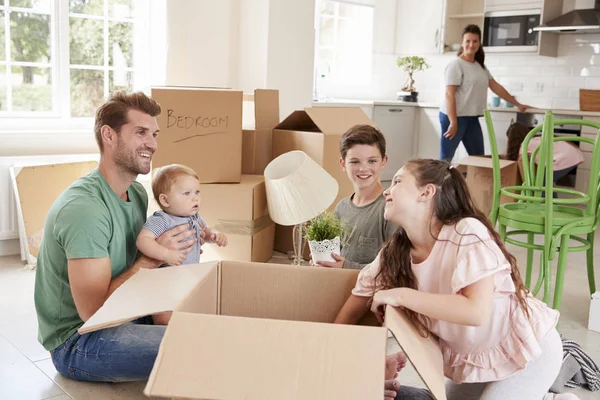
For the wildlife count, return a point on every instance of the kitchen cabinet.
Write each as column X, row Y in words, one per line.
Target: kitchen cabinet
column 457, row 15
column 397, row 123
column 430, row 134
column 418, row 27
column 512, row 5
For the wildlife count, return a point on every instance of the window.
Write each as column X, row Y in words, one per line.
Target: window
column 62, row 58
column 344, row 41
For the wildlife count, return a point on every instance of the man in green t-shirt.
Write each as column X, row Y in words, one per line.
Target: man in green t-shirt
column 88, row 250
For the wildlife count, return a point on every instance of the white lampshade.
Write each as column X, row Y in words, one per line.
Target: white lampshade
column 298, row 189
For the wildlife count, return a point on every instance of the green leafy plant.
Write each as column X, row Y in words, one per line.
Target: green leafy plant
column 325, row 226
column 411, row 64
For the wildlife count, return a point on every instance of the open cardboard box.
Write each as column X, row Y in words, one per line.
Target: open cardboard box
column 480, row 179
column 245, row 330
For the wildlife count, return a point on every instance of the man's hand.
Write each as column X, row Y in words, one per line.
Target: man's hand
column 339, row 262
column 181, row 238
column 390, row 388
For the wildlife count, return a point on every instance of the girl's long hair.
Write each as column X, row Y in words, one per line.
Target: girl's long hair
column 480, row 55
column 452, row 202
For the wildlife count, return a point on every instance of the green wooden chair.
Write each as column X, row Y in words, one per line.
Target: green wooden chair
column 536, row 212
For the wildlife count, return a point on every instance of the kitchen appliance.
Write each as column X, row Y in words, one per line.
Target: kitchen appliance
column 511, row 31
column 584, row 18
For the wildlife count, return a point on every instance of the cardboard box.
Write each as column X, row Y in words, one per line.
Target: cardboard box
column 480, row 179
column 594, row 319
column 257, row 137
column 240, row 211
column 200, row 128
column 269, row 327
column 317, row 132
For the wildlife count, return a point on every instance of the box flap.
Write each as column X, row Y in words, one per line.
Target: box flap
column 424, row 353
column 337, row 120
column 298, row 121
column 147, row 292
column 201, row 357
column 266, row 108
column 484, row 162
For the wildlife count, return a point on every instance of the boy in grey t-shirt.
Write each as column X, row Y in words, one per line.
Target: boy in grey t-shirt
column 362, row 151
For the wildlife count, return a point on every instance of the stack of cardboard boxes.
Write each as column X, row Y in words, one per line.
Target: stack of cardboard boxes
column 202, row 128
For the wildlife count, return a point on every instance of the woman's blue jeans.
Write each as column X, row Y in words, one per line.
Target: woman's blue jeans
column 120, row 354
column 468, row 132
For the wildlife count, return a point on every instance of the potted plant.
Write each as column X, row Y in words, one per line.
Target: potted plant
column 411, row 64
column 323, row 234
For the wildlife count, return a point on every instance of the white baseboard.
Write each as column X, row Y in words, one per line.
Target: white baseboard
column 9, row 247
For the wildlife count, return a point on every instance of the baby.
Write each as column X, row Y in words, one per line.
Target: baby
column 176, row 189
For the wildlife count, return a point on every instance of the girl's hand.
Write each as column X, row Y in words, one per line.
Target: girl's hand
column 219, row 238
column 383, row 298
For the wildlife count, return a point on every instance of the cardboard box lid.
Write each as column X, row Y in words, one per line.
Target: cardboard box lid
column 327, row 120
column 147, row 292
column 221, row 357
column 483, row 162
column 423, row 353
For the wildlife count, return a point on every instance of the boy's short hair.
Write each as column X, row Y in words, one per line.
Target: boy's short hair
column 164, row 177
column 362, row 134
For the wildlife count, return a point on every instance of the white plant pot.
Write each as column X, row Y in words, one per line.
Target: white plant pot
column 322, row 250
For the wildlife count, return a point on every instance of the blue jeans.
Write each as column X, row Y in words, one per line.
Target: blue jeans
column 468, row 131
column 120, row 354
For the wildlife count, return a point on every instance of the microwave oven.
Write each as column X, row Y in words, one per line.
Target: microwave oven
column 511, row 31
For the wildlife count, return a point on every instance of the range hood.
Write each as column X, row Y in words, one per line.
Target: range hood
column 584, row 18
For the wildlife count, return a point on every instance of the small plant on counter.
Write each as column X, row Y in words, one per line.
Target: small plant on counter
column 411, row 64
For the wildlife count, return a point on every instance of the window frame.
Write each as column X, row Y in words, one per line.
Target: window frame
column 60, row 118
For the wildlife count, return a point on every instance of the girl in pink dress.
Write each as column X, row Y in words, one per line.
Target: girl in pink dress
column 448, row 269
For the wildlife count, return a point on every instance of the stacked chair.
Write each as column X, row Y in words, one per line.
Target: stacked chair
column 567, row 224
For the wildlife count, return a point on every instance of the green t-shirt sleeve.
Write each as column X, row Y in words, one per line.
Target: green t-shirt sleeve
column 83, row 230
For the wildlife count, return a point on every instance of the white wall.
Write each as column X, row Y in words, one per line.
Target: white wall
column 547, row 82
column 202, row 43
column 254, row 39
column 291, row 53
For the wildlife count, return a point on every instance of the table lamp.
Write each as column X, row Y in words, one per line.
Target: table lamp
column 298, row 189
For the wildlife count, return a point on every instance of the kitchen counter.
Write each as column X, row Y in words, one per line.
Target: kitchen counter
column 372, row 103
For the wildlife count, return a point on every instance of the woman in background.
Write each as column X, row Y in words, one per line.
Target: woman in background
column 466, row 80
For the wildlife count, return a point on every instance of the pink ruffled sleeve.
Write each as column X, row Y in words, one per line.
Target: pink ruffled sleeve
column 365, row 284
column 480, row 259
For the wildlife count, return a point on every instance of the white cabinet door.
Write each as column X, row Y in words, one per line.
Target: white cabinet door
column 397, row 125
column 384, row 26
column 429, row 133
column 419, row 26
column 501, row 121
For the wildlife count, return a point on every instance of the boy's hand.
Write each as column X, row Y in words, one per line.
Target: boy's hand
column 219, row 239
column 175, row 257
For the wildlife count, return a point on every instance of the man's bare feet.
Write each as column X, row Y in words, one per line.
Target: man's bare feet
column 394, row 364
